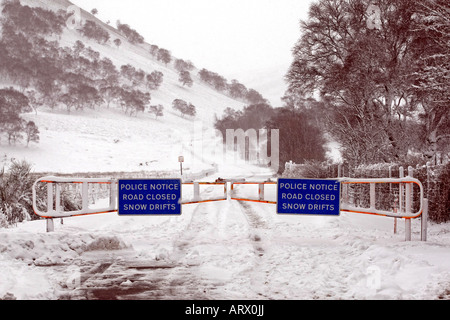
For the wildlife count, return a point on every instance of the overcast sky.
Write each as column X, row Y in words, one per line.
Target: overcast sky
column 239, row 39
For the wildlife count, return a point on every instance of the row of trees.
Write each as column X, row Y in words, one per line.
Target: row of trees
column 300, row 138
column 184, row 107
column 73, row 77
column 93, row 31
column 235, row 89
column 132, row 35
column 78, row 77
column 152, row 80
column 32, row 21
column 381, row 69
column 161, row 54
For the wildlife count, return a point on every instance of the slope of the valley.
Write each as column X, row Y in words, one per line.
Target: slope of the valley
column 106, row 139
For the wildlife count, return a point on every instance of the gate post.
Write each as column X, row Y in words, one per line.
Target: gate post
column 50, row 225
column 424, row 220
column 261, row 191
column 84, row 195
column 49, row 198
column 196, row 191
column 372, row 196
column 49, row 222
column 408, row 229
column 112, row 194
column 408, row 205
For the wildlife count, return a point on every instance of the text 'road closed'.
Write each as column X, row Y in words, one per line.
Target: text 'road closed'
column 149, row 197
column 308, row 196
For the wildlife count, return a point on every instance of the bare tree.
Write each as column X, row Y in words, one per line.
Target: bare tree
column 359, row 63
column 431, row 74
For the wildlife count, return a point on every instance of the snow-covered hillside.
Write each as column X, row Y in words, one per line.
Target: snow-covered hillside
column 106, row 139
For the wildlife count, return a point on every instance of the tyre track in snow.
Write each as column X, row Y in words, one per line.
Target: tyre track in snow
column 255, row 223
column 192, row 269
column 180, row 274
column 123, row 276
column 260, row 235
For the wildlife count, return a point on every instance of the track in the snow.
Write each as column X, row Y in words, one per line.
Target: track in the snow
column 111, row 276
column 115, row 276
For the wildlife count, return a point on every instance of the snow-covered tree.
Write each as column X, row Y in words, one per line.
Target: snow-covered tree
column 32, row 132
column 362, row 65
column 431, row 74
column 157, row 110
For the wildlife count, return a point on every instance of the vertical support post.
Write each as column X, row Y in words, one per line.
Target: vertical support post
column 401, row 191
column 390, row 176
column 339, row 170
column 58, row 198
column 196, row 191
column 229, row 188
column 261, row 191
column 408, row 204
column 393, row 201
column 424, row 220
column 395, row 225
column 84, row 196
column 225, row 191
column 408, row 229
column 344, row 193
column 112, row 194
column 49, row 198
column 372, row 195
column 50, row 225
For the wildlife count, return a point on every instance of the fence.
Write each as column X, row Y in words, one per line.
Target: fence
column 434, row 178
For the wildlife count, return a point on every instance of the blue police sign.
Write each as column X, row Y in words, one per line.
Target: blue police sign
column 308, row 196
column 149, row 196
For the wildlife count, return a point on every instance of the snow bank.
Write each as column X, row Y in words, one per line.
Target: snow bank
column 236, row 251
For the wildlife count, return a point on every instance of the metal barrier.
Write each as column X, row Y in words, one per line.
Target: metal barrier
column 404, row 212
column 197, row 192
column 54, row 209
column 260, row 191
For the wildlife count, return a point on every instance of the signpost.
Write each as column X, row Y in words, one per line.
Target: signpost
column 308, row 196
column 181, row 160
column 149, row 197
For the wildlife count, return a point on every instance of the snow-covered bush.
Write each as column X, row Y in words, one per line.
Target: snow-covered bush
column 16, row 196
column 15, row 193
